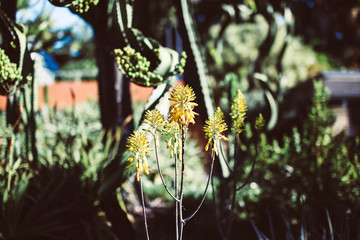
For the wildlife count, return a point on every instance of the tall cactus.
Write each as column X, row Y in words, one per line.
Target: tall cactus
column 196, row 71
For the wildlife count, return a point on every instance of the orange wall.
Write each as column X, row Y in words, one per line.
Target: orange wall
column 59, row 93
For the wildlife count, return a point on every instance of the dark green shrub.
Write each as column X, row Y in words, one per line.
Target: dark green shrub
column 305, row 173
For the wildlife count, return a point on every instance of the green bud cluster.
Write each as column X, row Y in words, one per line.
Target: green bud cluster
column 82, row 6
column 136, row 67
column 181, row 66
column 10, row 75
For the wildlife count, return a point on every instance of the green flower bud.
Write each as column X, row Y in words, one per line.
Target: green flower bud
column 10, row 75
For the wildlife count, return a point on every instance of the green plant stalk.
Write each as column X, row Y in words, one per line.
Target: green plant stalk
column 206, row 189
column 27, row 130
column 236, row 156
column 159, row 169
column 215, row 211
column 330, row 225
column 177, row 197
column 246, row 181
column 232, row 208
column 182, row 222
column 235, row 189
column 11, row 160
column 32, row 122
column 144, row 208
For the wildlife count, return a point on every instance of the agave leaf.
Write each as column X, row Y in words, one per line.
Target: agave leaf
column 270, row 96
column 259, row 234
column 330, row 225
column 303, row 235
column 61, row 3
column 169, row 60
column 113, row 176
column 289, row 234
column 272, row 232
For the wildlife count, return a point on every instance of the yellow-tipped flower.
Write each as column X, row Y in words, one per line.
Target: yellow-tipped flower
column 260, row 122
column 182, row 109
column 238, row 112
column 174, row 142
column 155, row 119
column 213, row 128
column 138, row 144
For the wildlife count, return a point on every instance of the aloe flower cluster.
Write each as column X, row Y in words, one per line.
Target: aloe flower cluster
column 181, row 114
column 238, row 113
column 138, row 145
column 182, row 109
column 214, row 127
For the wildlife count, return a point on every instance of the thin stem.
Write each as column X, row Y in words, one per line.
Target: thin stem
column 32, row 123
column 160, row 173
column 11, row 159
column 144, row 208
column 206, row 189
column 182, row 222
column 177, row 197
column 232, row 208
column 11, row 147
column 27, row 130
column 247, row 180
column 215, row 211
column 222, row 155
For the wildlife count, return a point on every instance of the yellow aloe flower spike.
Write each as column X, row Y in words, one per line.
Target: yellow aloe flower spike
column 260, row 122
column 238, row 112
column 213, row 128
column 182, row 109
column 155, row 119
column 174, row 142
column 138, row 145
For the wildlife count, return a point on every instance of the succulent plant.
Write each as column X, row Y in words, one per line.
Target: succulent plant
column 10, row 76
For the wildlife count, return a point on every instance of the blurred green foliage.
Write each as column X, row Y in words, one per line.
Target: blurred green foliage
column 84, row 64
column 308, row 170
column 60, row 196
column 240, row 48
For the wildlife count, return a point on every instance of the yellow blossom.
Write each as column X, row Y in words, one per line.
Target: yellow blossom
column 238, row 112
column 260, row 122
column 138, row 145
column 182, row 109
column 174, row 142
column 213, row 128
column 155, row 119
